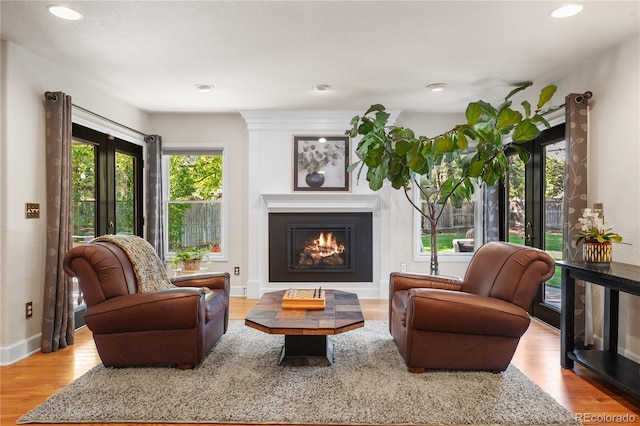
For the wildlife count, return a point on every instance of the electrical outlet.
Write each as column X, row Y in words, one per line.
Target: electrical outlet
column 403, row 267
column 29, row 310
column 236, row 270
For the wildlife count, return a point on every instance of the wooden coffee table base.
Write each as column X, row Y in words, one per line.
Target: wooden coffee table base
column 315, row 351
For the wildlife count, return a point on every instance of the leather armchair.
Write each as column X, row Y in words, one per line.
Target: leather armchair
column 473, row 323
column 176, row 326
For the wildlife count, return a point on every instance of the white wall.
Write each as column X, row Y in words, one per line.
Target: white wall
column 25, row 78
column 216, row 129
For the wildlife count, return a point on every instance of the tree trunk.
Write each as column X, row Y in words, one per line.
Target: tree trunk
column 434, row 270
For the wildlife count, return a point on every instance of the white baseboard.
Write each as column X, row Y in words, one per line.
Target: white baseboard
column 21, row 350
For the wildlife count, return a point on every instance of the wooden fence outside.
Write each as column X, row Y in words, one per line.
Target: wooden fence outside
column 201, row 225
column 462, row 219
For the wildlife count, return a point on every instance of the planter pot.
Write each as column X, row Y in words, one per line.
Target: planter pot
column 597, row 252
column 314, row 180
column 190, row 265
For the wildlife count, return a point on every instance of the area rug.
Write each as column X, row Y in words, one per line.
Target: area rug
column 240, row 382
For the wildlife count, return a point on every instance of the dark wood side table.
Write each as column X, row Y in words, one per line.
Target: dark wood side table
column 306, row 330
column 615, row 278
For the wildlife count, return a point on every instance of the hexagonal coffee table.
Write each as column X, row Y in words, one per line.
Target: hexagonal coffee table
column 306, row 330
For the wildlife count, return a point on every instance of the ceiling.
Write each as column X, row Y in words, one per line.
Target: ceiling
column 269, row 54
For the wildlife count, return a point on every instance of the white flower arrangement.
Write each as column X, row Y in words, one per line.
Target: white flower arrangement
column 594, row 229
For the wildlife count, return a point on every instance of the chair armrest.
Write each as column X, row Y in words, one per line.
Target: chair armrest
column 405, row 281
column 178, row 308
column 216, row 280
column 459, row 312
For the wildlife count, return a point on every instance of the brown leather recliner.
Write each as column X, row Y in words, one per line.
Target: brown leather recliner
column 471, row 324
column 176, row 326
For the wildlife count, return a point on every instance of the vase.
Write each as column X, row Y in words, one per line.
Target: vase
column 597, row 252
column 315, row 179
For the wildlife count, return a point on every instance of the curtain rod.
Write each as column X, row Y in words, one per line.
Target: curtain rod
column 53, row 96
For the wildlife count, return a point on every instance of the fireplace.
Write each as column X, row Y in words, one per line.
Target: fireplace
column 321, row 247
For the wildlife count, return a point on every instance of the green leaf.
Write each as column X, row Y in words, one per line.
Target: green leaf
column 415, row 159
column 353, row 166
column 382, row 117
column 525, row 131
column 365, row 127
column 463, row 143
column 403, row 146
column 527, row 108
column 518, row 89
column 355, row 120
column 376, row 107
column 444, row 144
column 540, row 119
column 546, row 94
column 476, row 168
column 398, row 182
column 523, row 153
column 473, row 113
column 508, row 117
column 488, row 109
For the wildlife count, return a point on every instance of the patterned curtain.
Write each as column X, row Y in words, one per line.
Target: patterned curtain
column 575, row 196
column 57, row 319
column 491, row 213
column 154, row 216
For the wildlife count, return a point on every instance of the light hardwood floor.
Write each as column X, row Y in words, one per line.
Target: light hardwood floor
column 29, row 382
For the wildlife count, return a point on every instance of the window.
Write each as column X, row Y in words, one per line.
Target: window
column 456, row 228
column 456, row 224
column 194, row 208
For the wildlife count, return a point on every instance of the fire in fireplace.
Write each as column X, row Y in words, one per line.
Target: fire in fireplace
column 318, row 247
column 333, row 247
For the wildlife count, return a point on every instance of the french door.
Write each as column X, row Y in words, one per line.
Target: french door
column 107, row 191
column 533, row 203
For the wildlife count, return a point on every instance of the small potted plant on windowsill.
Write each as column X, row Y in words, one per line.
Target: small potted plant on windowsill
column 189, row 258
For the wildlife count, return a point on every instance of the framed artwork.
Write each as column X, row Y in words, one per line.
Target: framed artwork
column 320, row 163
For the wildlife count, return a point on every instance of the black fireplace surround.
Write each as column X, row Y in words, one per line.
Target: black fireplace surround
column 320, row 247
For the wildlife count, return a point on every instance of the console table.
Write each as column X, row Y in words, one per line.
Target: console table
column 616, row 277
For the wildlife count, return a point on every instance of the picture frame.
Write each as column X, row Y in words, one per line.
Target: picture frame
column 320, row 163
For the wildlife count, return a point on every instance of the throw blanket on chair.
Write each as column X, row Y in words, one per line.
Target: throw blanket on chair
column 149, row 269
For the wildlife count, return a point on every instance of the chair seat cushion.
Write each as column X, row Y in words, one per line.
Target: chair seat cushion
column 458, row 312
column 217, row 301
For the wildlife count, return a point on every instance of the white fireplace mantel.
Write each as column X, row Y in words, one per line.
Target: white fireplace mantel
column 321, row 202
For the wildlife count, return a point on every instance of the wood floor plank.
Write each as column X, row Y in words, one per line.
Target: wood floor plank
column 29, row 382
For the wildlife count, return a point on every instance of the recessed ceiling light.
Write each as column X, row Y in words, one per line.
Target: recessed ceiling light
column 204, row 87
column 566, row 11
column 322, row 140
column 321, row 87
column 65, row 12
column 437, row 87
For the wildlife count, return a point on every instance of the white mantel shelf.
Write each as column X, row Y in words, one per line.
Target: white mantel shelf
column 321, row 202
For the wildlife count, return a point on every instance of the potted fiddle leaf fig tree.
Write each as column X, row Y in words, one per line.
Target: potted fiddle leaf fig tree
column 447, row 167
